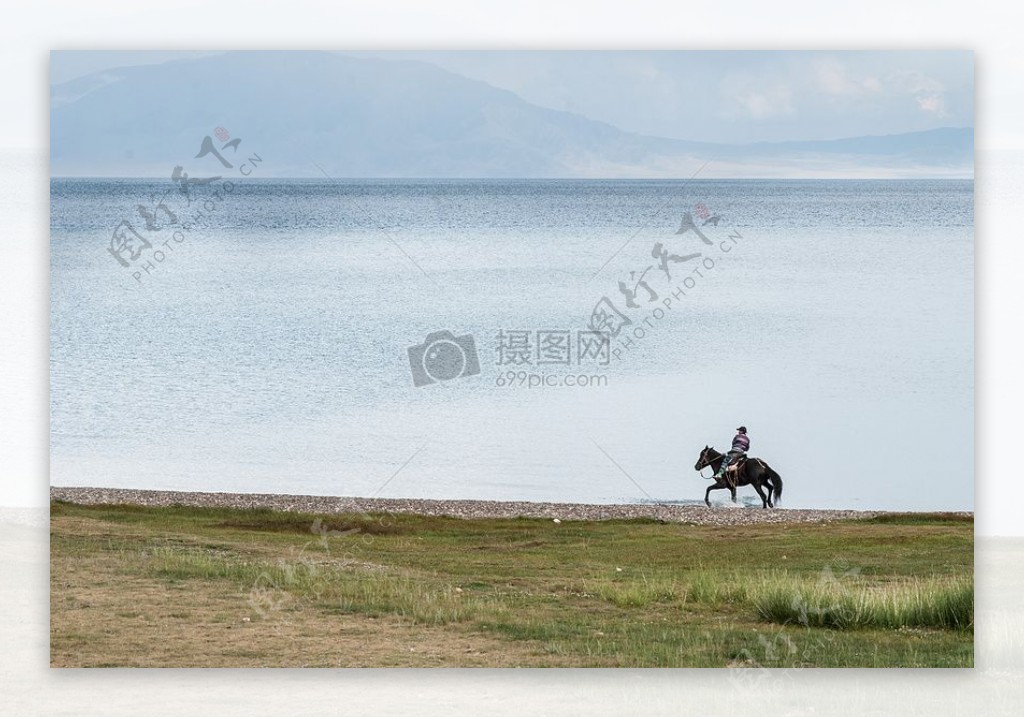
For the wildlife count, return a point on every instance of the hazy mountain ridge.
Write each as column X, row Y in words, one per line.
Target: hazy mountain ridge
column 379, row 118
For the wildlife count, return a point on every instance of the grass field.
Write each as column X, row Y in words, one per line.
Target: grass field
column 177, row 586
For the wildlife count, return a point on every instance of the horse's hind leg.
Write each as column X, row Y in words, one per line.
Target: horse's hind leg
column 760, row 492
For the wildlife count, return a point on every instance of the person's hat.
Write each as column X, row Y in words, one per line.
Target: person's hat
column 742, row 430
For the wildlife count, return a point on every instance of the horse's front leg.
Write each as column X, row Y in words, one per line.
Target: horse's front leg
column 707, row 494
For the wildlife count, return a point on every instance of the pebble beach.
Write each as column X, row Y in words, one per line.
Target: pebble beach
column 459, row 508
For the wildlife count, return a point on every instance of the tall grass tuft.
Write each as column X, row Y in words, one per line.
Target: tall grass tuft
column 637, row 594
column 335, row 587
column 920, row 603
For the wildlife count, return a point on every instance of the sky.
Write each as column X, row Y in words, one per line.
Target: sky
column 737, row 97
column 716, row 96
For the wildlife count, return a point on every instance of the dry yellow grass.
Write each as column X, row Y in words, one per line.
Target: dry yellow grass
column 102, row 617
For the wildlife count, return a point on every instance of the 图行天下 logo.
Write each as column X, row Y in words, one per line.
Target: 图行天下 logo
column 443, row 356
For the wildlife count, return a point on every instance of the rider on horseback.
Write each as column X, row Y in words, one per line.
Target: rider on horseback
column 740, row 446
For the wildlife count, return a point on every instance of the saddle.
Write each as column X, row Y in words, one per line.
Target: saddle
column 732, row 473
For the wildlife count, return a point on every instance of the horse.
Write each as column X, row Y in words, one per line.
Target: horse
column 755, row 472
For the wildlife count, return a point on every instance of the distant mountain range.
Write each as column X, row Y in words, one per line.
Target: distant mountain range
column 382, row 118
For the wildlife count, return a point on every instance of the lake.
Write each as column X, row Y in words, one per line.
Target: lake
column 261, row 342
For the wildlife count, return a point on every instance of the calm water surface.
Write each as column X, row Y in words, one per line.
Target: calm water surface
column 268, row 351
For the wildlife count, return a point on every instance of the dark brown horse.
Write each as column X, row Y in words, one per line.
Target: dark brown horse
column 754, row 472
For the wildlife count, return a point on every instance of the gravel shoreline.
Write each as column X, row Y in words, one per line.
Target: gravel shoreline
column 459, row 508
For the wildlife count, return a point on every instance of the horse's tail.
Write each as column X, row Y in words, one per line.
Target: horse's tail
column 776, row 484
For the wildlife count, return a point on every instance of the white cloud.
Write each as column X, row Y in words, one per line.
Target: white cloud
column 929, row 93
column 768, row 104
column 833, row 78
column 751, row 96
column 836, row 80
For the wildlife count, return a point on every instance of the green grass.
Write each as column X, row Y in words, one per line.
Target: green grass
column 620, row 593
column 917, row 603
